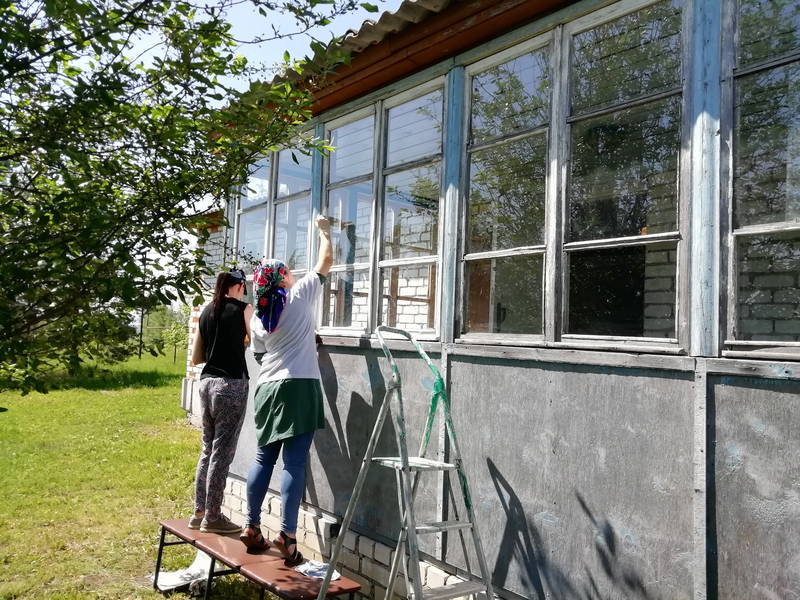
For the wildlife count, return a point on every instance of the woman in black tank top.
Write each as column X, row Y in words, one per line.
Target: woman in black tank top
column 224, row 328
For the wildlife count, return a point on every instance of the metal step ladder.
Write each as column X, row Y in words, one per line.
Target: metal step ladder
column 406, row 554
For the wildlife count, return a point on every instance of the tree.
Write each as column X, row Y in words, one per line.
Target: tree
column 118, row 127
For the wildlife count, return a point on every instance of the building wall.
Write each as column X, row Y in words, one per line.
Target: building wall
column 616, row 466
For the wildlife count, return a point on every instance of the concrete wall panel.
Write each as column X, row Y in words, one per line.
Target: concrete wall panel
column 757, row 487
column 581, row 477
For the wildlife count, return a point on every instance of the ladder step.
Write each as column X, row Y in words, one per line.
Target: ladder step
column 440, row 526
column 455, row 590
column 416, row 463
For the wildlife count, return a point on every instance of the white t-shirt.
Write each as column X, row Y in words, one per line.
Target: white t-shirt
column 291, row 349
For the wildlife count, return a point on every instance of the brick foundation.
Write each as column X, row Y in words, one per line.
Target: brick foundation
column 362, row 559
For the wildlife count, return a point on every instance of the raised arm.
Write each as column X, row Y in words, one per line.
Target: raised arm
column 325, row 260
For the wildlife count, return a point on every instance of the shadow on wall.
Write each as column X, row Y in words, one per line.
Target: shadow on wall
column 522, row 542
column 341, row 445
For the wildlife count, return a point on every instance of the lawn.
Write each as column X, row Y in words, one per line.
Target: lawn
column 86, row 472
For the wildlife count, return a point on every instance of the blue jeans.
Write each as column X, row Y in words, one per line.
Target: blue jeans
column 293, row 480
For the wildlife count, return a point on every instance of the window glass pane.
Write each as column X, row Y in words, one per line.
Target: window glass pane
column 415, row 129
column 767, row 147
column 350, row 211
column 504, row 295
column 626, row 291
column 353, row 153
column 624, row 172
column 507, row 195
column 293, row 177
column 257, row 188
column 346, row 299
column 411, row 213
column 769, row 288
column 408, row 298
column 767, row 28
column 632, row 56
column 292, row 220
column 514, row 96
column 252, row 227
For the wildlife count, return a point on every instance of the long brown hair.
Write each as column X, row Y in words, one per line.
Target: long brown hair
column 224, row 281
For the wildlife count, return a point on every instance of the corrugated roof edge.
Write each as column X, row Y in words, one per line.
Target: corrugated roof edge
column 408, row 13
column 371, row 32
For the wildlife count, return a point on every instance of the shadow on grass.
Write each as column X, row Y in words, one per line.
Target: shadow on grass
column 106, row 379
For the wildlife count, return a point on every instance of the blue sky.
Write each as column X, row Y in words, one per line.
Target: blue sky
column 248, row 24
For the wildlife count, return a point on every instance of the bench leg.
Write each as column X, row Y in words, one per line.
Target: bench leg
column 261, row 595
column 158, row 560
column 210, row 577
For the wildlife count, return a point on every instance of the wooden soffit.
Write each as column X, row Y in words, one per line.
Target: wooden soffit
column 459, row 27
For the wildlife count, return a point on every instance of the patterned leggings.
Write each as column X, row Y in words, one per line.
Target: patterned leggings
column 223, row 403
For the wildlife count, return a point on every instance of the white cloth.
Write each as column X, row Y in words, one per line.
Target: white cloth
column 197, row 571
column 316, row 570
column 291, row 349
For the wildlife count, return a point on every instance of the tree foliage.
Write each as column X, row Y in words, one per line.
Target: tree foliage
column 119, row 124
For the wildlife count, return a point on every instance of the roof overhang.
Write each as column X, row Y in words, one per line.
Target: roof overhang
column 419, row 34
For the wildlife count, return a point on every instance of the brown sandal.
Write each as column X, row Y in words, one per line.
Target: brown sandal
column 282, row 543
column 254, row 539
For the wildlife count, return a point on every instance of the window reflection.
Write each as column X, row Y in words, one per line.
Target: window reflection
column 767, row 147
column 411, row 213
column 624, row 172
column 256, row 190
column 252, row 228
column 350, row 210
column 353, row 150
column 631, row 56
column 294, row 172
column 767, row 28
column 292, row 221
column 511, row 97
column 507, row 195
column 415, row 129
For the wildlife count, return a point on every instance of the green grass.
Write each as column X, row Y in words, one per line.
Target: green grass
column 85, row 475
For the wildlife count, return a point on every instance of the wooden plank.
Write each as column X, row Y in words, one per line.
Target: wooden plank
column 453, row 171
column 555, row 194
column 703, row 110
column 728, row 286
column 770, row 369
column 700, row 481
column 551, row 354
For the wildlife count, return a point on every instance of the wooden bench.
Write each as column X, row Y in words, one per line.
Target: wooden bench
column 265, row 569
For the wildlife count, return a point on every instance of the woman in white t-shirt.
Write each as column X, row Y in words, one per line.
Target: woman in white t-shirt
column 288, row 399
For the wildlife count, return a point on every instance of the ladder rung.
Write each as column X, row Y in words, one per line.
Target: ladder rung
column 440, row 526
column 414, row 462
column 455, row 590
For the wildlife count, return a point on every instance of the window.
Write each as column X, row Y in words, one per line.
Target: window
column 402, row 227
column 252, row 218
column 274, row 210
column 765, row 240
column 409, row 241
column 507, row 157
column 621, row 235
column 292, row 210
column 350, row 200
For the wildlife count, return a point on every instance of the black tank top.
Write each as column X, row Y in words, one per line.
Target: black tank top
column 224, row 341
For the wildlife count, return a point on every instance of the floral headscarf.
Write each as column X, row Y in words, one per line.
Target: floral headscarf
column 270, row 297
